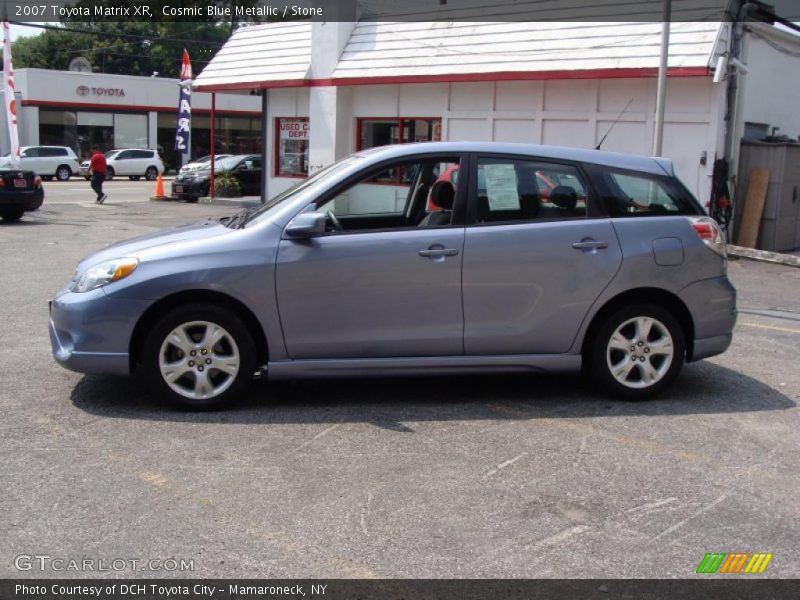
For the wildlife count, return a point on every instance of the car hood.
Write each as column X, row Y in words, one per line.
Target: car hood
column 136, row 246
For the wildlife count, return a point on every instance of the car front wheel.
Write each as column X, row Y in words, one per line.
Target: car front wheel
column 637, row 352
column 200, row 357
column 151, row 174
column 109, row 174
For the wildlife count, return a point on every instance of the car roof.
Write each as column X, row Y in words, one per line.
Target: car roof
column 633, row 162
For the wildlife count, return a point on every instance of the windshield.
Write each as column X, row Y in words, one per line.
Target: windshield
column 224, row 164
column 319, row 177
column 112, row 153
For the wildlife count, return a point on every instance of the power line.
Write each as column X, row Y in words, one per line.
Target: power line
column 129, row 36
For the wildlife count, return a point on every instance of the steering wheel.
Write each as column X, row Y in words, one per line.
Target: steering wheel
column 334, row 221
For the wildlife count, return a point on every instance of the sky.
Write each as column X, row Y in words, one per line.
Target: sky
column 18, row 31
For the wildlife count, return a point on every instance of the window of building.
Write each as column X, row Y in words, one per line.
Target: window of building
column 526, row 190
column 291, row 147
column 234, row 135
column 384, row 132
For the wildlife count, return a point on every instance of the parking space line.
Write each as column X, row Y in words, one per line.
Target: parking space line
column 772, row 327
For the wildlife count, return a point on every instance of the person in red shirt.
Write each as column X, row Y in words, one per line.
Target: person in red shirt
column 97, row 167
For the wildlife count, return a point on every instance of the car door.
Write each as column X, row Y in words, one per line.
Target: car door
column 385, row 284
column 533, row 263
column 30, row 159
column 123, row 163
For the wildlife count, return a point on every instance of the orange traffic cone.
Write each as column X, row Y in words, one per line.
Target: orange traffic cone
column 159, row 195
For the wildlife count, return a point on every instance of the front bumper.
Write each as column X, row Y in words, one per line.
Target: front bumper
column 91, row 333
column 26, row 200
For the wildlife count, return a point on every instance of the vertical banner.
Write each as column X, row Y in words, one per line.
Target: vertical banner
column 9, row 97
column 184, row 128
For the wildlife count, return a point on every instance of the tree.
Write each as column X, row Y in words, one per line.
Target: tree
column 123, row 48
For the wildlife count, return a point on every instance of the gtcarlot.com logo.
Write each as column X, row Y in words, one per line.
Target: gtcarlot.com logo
column 45, row 562
column 734, row 562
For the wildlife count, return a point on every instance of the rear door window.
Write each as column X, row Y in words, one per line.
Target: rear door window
column 627, row 193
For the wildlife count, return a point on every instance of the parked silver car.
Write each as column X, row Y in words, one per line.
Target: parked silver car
column 538, row 259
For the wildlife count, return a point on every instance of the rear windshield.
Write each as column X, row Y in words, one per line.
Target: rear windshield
column 629, row 193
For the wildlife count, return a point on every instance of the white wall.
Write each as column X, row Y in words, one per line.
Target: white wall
column 561, row 112
column 771, row 89
column 567, row 113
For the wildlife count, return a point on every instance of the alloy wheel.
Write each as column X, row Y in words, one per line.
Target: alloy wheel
column 199, row 360
column 639, row 352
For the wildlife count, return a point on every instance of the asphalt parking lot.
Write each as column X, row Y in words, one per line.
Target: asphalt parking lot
column 465, row 477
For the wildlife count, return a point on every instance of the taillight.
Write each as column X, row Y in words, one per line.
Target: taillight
column 707, row 230
column 2, row 182
column 37, row 182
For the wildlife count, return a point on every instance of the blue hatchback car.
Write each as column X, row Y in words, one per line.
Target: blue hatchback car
column 415, row 259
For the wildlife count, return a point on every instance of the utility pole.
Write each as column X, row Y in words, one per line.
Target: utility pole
column 658, row 133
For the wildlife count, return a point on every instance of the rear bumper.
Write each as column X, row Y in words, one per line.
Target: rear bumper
column 26, row 200
column 712, row 304
column 189, row 190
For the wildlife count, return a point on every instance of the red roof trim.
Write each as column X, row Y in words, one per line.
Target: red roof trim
column 462, row 77
column 133, row 108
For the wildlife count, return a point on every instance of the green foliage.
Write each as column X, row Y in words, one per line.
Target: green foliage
column 134, row 46
column 151, row 47
column 226, row 186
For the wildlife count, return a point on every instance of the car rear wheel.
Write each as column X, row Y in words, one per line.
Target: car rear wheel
column 63, row 173
column 200, row 357
column 14, row 214
column 637, row 352
column 109, row 173
column 151, row 174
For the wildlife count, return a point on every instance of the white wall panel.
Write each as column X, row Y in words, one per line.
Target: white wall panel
column 573, row 96
column 474, row 130
column 559, row 132
column 471, row 96
column 516, row 130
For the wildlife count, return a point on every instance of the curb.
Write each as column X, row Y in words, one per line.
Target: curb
column 238, row 202
column 764, row 256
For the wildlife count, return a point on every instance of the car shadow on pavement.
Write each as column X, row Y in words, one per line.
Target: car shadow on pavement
column 702, row 388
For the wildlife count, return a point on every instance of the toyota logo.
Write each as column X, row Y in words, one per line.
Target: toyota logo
column 83, row 90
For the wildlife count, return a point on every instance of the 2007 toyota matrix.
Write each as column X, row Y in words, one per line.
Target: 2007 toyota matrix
column 421, row 258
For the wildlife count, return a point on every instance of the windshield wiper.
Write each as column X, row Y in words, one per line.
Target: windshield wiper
column 238, row 220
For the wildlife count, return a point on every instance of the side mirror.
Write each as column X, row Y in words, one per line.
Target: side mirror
column 306, row 225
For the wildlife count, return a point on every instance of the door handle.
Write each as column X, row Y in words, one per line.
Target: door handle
column 589, row 245
column 437, row 252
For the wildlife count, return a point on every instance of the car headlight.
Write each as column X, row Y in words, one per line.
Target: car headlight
column 104, row 273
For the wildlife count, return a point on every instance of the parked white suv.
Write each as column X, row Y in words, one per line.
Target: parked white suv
column 49, row 161
column 133, row 162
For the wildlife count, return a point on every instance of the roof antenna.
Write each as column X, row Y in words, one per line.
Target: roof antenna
column 614, row 123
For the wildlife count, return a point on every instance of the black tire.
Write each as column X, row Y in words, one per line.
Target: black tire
column 648, row 359
column 151, row 174
column 88, row 178
column 47, row 177
column 109, row 174
column 63, row 173
column 232, row 386
column 192, row 199
column 12, row 214
column 135, row 177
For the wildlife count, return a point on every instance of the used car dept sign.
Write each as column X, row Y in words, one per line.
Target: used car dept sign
column 294, row 129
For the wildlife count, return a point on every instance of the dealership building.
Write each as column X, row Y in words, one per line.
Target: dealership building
column 329, row 89
column 82, row 109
